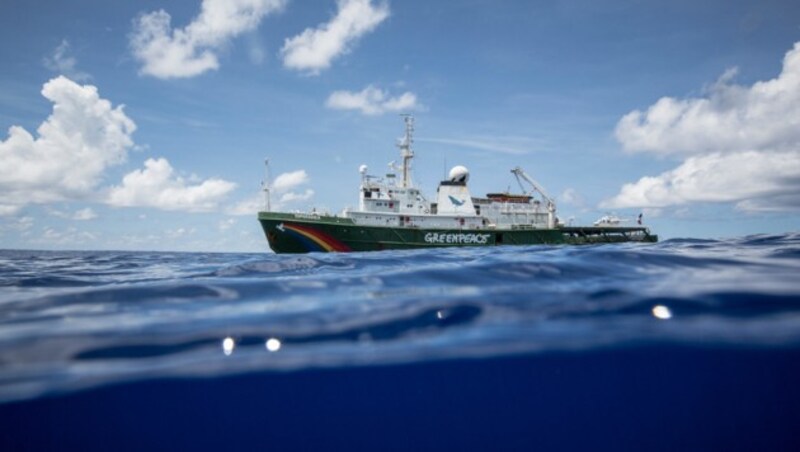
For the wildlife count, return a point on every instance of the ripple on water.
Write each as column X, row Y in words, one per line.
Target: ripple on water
column 71, row 319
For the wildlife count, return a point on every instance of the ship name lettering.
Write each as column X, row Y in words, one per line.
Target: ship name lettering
column 466, row 239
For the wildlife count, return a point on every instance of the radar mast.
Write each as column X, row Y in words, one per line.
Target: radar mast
column 405, row 150
column 265, row 185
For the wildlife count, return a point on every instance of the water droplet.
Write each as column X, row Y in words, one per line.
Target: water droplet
column 661, row 312
column 228, row 345
column 273, row 344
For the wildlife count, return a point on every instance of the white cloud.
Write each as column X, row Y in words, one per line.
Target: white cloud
column 186, row 52
column 84, row 214
column 731, row 118
column 249, row 206
column 79, row 215
column 314, row 49
column 8, row 209
column 61, row 62
column 743, row 145
column 70, row 237
column 82, row 137
column 224, row 225
column 158, row 186
column 777, row 203
column 21, row 224
column 287, row 181
column 571, row 197
column 282, row 194
column 255, row 50
column 754, row 177
column 179, row 233
column 285, row 184
column 372, row 101
column 493, row 144
column 291, row 196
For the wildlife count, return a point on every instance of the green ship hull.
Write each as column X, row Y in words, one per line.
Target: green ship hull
column 304, row 233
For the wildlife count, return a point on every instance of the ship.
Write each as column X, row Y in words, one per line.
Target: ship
column 393, row 213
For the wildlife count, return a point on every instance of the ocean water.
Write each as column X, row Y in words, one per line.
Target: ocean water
column 681, row 345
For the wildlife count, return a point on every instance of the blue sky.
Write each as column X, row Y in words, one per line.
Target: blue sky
column 144, row 124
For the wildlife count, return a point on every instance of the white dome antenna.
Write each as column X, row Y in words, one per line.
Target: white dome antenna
column 363, row 171
column 459, row 174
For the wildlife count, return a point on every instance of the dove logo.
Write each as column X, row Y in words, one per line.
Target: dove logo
column 457, row 202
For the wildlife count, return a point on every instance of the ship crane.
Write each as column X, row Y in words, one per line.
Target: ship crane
column 521, row 175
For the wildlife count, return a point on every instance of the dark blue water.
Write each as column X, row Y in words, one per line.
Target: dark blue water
column 681, row 345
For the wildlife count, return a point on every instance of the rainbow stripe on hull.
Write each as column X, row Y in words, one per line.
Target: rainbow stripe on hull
column 304, row 233
column 314, row 239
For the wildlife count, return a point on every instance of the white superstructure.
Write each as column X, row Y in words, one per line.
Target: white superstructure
column 387, row 201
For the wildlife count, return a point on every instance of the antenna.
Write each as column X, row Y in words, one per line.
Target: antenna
column 265, row 184
column 405, row 149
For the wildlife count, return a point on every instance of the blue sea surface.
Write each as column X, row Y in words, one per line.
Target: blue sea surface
column 682, row 345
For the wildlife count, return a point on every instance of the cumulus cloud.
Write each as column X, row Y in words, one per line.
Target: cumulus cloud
column 84, row 214
column 79, row 215
column 249, row 206
column 66, row 161
column 9, row 209
column 82, row 137
column 186, row 52
column 291, row 196
column 21, row 225
column 67, row 237
column 287, row 181
column 371, row 101
column 749, row 178
column 571, row 197
column 285, row 185
column 63, row 63
column 158, row 186
column 741, row 144
column 314, row 49
column 282, row 194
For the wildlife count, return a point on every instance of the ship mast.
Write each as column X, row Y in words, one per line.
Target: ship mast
column 265, row 186
column 405, row 150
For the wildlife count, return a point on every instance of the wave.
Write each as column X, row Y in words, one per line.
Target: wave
column 71, row 320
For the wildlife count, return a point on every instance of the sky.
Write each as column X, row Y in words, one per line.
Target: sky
column 144, row 125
